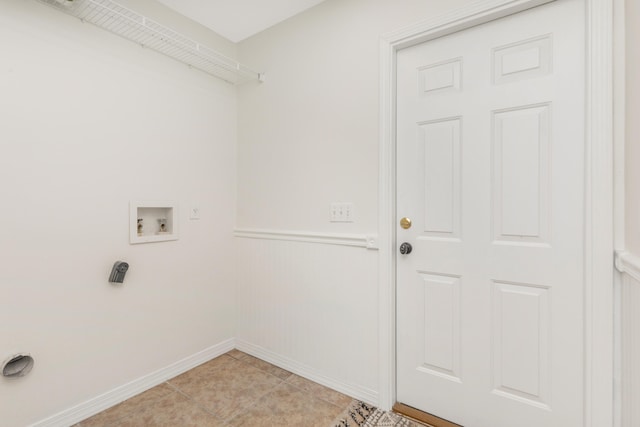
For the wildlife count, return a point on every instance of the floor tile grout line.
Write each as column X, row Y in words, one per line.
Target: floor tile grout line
column 256, row 401
column 196, row 403
column 320, row 398
column 226, row 421
column 310, row 395
column 129, row 413
column 293, row 385
column 254, row 404
column 266, row 371
column 141, row 406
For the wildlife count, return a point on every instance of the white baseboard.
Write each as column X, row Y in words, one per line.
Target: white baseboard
column 358, row 392
column 98, row 404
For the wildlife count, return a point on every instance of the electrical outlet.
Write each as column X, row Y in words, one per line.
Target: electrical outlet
column 341, row 212
column 347, row 212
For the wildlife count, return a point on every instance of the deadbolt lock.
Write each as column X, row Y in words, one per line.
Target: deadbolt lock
column 405, row 223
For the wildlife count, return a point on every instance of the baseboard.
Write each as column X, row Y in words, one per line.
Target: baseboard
column 100, row 403
column 362, row 393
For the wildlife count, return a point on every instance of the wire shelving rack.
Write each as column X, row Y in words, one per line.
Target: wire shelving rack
column 117, row 19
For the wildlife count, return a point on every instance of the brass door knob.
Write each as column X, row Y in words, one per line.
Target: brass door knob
column 405, row 223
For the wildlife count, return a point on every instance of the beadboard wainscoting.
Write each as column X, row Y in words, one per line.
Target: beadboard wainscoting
column 629, row 265
column 310, row 305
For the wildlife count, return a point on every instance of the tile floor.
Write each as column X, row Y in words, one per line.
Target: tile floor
column 233, row 390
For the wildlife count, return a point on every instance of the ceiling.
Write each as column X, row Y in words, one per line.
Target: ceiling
column 238, row 19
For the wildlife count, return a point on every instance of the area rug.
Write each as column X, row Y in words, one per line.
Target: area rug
column 360, row 414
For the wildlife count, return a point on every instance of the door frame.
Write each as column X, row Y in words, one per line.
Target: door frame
column 599, row 192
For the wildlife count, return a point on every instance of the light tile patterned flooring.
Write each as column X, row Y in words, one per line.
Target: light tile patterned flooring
column 232, row 390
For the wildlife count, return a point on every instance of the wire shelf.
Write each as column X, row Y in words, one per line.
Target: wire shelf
column 126, row 23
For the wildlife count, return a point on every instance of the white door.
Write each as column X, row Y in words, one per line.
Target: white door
column 490, row 170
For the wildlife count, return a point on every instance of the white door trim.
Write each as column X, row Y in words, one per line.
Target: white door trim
column 598, row 198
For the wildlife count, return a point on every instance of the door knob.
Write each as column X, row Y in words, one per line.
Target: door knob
column 405, row 223
column 406, row 248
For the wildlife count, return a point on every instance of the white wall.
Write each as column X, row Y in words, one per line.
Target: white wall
column 308, row 137
column 311, row 308
column 88, row 122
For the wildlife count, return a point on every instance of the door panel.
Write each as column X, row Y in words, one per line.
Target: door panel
column 441, row 297
column 490, row 156
column 520, row 350
column 521, row 174
column 441, row 148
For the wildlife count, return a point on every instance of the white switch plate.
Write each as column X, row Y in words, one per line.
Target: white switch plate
column 194, row 213
column 341, row 212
